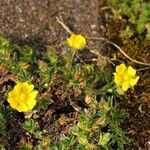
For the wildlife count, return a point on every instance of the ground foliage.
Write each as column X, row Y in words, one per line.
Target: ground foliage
column 136, row 13
column 77, row 99
column 136, row 45
column 135, row 102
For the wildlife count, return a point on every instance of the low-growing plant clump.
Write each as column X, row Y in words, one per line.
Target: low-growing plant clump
column 136, row 13
column 41, row 88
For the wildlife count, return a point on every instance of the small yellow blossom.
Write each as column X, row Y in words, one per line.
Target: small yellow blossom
column 125, row 77
column 76, row 41
column 22, row 97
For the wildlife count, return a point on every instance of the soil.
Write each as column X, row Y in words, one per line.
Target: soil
column 33, row 23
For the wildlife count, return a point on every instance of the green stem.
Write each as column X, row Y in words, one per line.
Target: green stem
column 72, row 56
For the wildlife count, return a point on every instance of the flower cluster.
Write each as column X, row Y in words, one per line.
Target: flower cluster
column 22, row 97
column 125, row 77
column 76, row 41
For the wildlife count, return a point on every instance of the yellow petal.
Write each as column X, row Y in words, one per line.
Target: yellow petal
column 125, row 86
column 22, row 97
column 26, row 87
column 70, row 40
column 32, row 95
column 11, row 94
column 131, row 71
column 31, row 104
column 134, row 81
column 76, row 41
column 13, row 102
column 126, row 77
column 17, row 88
column 81, row 42
column 22, row 108
column 117, row 79
column 121, row 69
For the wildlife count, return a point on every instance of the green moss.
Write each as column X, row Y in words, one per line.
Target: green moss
column 136, row 12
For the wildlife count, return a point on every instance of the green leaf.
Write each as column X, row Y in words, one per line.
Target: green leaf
column 26, row 147
column 38, row 135
column 2, row 147
column 30, row 125
column 82, row 139
column 104, row 139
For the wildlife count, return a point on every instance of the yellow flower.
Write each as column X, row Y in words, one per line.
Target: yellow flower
column 125, row 77
column 76, row 41
column 22, row 97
